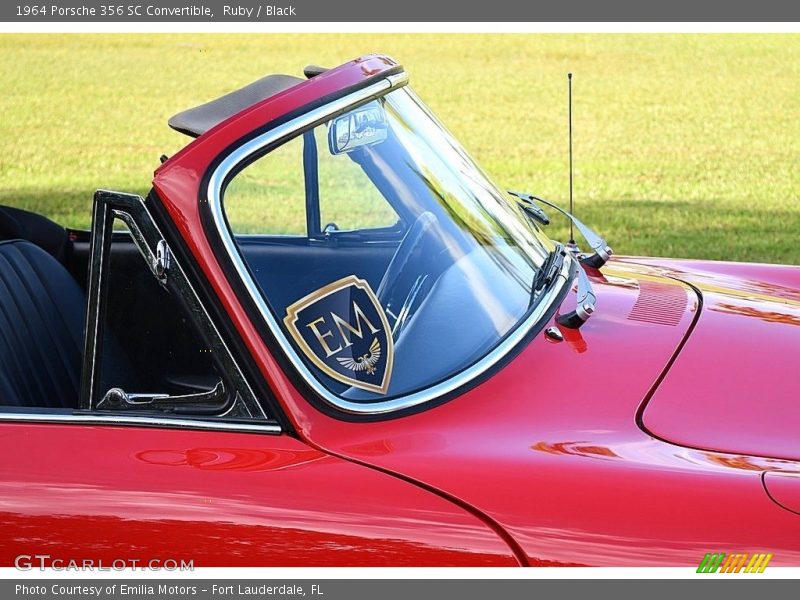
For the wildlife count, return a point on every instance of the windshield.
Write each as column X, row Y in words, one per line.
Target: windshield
column 389, row 260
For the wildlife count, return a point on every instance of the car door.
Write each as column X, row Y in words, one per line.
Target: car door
column 177, row 459
column 160, row 496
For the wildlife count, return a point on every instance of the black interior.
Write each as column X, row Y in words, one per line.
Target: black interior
column 150, row 346
column 151, row 328
column 148, row 325
column 303, row 266
column 18, row 224
column 41, row 328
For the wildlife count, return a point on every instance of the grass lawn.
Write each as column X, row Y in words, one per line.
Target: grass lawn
column 685, row 145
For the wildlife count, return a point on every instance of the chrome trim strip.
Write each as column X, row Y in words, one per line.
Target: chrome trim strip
column 140, row 422
column 284, row 132
column 101, row 225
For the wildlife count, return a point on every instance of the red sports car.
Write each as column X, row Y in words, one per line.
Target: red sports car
column 327, row 338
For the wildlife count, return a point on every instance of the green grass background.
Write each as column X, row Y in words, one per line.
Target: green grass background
column 685, row 145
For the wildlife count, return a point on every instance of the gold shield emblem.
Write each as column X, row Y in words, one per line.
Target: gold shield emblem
column 343, row 331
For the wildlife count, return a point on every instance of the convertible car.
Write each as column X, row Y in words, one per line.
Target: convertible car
column 325, row 337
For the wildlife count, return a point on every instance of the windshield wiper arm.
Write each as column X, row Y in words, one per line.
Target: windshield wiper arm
column 584, row 306
column 586, row 301
column 602, row 251
column 530, row 208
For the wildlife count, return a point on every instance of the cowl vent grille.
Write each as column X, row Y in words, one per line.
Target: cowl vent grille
column 659, row 303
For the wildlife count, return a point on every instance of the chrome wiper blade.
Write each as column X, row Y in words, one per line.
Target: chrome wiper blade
column 549, row 270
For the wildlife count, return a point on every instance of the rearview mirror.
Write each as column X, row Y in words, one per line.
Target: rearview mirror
column 364, row 126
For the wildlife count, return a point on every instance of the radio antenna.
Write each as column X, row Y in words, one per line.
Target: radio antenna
column 571, row 232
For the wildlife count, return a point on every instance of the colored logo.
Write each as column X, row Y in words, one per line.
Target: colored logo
column 734, row 563
column 343, row 330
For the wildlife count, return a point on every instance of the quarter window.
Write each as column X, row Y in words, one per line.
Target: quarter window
column 151, row 347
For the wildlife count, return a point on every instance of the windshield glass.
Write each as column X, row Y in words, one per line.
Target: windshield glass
column 387, row 257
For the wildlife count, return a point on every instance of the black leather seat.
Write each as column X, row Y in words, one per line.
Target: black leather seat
column 42, row 313
column 18, row 224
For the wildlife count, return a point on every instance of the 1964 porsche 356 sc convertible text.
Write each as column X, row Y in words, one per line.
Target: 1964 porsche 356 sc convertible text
column 326, row 338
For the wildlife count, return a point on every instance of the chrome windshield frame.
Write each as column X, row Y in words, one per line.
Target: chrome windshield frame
column 229, row 164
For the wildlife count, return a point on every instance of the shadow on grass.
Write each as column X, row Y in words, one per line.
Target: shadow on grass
column 711, row 229
column 715, row 229
column 69, row 207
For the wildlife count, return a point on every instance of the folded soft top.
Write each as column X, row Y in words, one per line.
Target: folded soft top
column 196, row 121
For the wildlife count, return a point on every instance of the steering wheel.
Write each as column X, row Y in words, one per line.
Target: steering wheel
column 402, row 289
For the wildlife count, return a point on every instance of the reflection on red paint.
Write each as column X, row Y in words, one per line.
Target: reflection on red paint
column 574, row 449
column 216, row 459
column 768, row 316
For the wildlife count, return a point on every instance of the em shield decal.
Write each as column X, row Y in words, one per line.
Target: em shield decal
column 343, row 330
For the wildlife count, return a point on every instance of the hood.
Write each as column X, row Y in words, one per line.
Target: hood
column 550, row 448
column 734, row 386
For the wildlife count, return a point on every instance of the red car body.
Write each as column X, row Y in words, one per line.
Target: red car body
column 664, row 429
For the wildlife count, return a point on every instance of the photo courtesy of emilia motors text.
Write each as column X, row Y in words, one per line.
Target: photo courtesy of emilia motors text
column 351, row 300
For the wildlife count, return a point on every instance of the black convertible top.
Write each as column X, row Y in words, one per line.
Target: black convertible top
column 196, row 121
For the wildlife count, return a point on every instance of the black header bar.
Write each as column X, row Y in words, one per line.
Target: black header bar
column 367, row 11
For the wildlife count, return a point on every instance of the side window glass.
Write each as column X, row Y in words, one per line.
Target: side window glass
column 269, row 196
column 302, row 189
column 348, row 200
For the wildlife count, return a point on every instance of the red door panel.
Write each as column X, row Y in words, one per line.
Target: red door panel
column 219, row 499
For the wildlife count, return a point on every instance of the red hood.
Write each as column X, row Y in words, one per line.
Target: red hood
column 549, row 450
column 734, row 387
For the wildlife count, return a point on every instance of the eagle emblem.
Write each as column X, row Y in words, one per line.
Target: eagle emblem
column 365, row 362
